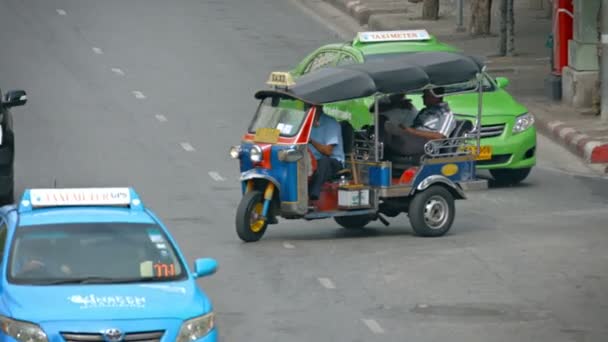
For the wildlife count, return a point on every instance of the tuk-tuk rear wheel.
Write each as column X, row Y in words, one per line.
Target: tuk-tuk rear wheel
column 353, row 222
column 250, row 226
column 432, row 212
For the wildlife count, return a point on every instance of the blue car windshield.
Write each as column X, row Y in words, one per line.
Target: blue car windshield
column 92, row 253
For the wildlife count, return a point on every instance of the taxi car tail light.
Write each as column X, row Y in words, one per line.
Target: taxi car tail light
column 22, row 331
column 523, row 122
column 196, row 328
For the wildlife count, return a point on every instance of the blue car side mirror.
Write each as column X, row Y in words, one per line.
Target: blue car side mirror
column 204, row 267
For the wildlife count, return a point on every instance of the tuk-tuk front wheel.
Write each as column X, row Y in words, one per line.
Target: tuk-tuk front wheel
column 250, row 225
column 353, row 222
column 432, row 212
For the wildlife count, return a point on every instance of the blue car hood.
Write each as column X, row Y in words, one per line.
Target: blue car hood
column 179, row 300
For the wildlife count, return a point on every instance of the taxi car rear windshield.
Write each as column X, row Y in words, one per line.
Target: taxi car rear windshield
column 88, row 253
column 285, row 115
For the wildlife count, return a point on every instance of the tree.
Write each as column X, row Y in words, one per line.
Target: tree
column 481, row 16
column 507, row 28
column 430, row 10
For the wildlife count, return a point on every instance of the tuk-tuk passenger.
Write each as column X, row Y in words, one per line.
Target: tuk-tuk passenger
column 397, row 109
column 327, row 147
column 433, row 122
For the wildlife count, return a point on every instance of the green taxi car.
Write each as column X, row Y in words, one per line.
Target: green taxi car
column 508, row 134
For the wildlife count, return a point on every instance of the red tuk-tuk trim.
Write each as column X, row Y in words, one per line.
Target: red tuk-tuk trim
column 300, row 138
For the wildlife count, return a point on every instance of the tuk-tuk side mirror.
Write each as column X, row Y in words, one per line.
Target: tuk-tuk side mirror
column 502, row 82
column 14, row 98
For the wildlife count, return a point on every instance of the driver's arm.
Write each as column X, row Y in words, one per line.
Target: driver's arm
column 435, row 125
column 324, row 149
column 423, row 134
column 334, row 136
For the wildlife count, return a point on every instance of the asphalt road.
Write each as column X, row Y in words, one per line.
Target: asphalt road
column 152, row 93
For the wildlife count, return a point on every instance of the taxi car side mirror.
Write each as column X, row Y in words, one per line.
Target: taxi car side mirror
column 204, row 267
column 14, row 98
column 502, row 82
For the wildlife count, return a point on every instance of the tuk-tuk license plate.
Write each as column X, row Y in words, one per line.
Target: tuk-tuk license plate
column 485, row 152
column 267, row 135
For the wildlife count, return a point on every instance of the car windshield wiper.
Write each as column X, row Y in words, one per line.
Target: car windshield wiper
column 103, row 280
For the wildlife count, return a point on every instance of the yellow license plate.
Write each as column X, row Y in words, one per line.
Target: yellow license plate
column 267, row 135
column 485, row 152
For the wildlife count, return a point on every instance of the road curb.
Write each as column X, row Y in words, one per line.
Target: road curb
column 354, row 8
column 591, row 150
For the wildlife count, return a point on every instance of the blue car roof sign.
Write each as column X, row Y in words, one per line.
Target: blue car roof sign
column 68, row 197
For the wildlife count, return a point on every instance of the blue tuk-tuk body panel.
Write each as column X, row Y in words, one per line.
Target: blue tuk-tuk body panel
column 283, row 174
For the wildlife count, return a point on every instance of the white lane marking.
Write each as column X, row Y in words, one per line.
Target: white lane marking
column 288, row 245
column 326, row 283
column 216, row 176
column 61, row 12
column 97, row 50
column 187, row 147
column 139, row 94
column 161, row 118
column 118, row 71
column 373, row 326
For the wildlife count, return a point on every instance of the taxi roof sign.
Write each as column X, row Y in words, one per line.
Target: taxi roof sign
column 280, row 79
column 393, row 36
column 45, row 198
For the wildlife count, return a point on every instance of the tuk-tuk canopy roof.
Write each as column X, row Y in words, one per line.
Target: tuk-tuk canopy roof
column 393, row 74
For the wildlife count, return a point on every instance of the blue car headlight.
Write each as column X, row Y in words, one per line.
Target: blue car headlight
column 22, row 331
column 523, row 122
column 196, row 328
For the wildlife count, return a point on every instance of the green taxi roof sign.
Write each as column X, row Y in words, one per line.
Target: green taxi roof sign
column 280, row 79
column 393, row 36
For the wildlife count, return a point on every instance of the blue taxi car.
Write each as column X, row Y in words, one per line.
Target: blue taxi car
column 94, row 264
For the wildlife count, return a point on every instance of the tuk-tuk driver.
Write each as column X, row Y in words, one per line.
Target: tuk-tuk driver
column 327, row 147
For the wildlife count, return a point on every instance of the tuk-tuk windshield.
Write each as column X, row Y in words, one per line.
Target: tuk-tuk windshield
column 282, row 114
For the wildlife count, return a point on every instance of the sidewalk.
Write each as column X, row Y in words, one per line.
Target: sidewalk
column 582, row 133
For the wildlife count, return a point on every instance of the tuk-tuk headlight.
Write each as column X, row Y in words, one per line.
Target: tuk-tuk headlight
column 523, row 122
column 235, row 152
column 256, row 154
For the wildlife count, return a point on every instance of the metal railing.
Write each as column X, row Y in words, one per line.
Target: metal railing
column 450, row 147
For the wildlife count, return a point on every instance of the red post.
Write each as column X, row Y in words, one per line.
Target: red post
column 563, row 20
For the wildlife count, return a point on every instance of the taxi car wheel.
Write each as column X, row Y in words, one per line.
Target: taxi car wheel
column 510, row 176
column 353, row 222
column 432, row 212
column 250, row 227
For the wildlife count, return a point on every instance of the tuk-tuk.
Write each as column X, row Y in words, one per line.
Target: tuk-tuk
column 276, row 163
